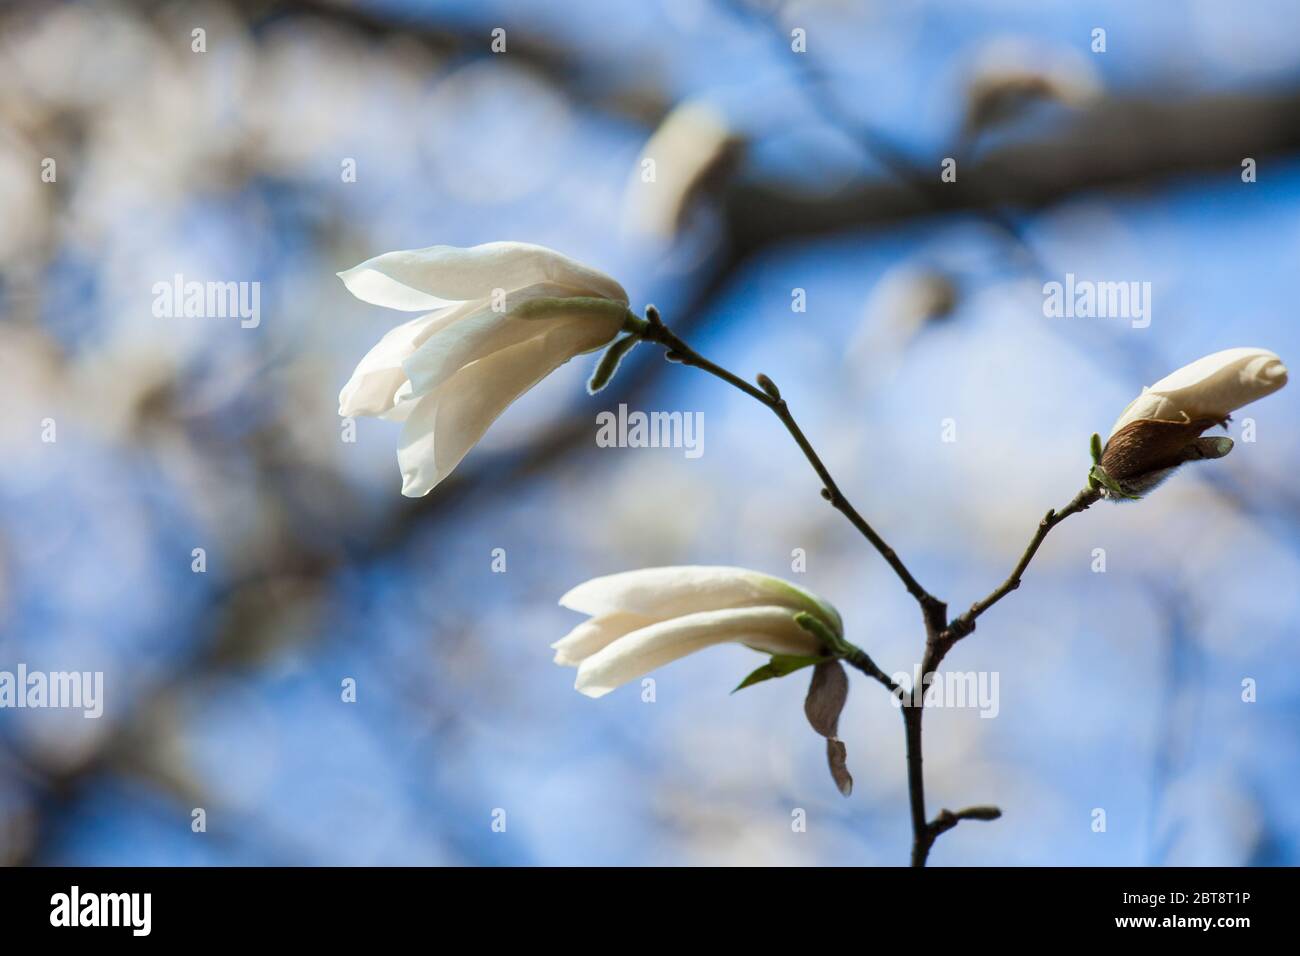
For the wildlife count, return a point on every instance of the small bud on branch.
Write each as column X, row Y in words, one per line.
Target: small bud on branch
column 769, row 386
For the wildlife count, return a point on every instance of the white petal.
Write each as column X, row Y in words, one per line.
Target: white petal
column 482, row 333
column 1211, row 387
column 438, row 275
column 378, row 376
column 447, row 422
column 673, row 591
column 591, row 636
column 768, row 629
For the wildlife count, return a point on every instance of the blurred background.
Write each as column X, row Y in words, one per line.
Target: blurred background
column 797, row 153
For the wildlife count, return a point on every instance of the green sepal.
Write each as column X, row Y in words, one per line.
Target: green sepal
column 1097, row 477
column 549, row 307
column 1095, row 448
column 608, row 364
column 818, row 629
column 779, row 665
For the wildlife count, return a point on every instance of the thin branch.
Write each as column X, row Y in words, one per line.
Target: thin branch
column 945, row 821
column 963, row 625
column 679, row 351
column 860, row 660
column 921, row 837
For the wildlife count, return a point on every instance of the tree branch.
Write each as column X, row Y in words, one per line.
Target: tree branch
column 679, row 351
column 963, row 625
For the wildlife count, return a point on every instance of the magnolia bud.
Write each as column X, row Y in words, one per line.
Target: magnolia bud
column 1161, row 428
column 1010, row 76
column 769, row 386
column 692, row 153
column 983, row 812
column 1209, row 388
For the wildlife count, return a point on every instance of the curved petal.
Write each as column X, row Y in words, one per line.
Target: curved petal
column 769, row 629
column 593, row 635
column 673, row 591
column 438, row 275
column 447, row 422
column 404, row 402
column 378, row 376
column 1209, row 388
column 482, row 333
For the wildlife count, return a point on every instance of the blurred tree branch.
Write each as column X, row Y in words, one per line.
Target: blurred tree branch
column 1121, row 143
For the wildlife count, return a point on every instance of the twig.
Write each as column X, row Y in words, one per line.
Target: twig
column 945, row 821
column 860, row 660
column 679, row 351
column 963, row 625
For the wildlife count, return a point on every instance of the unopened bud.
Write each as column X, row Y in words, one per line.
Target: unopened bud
column 1161, row 428
column 769, row 386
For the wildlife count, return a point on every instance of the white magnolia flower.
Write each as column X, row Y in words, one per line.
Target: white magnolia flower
column 641, row 620
column 451, row 372
column 1208, row 389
